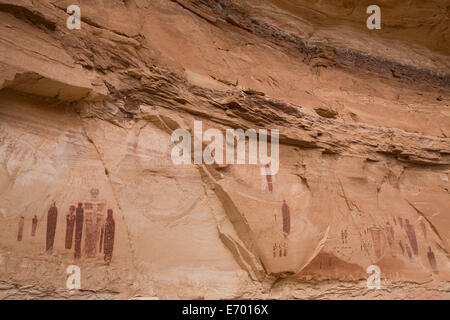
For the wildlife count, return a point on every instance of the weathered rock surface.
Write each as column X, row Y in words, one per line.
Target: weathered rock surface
column 86, row 116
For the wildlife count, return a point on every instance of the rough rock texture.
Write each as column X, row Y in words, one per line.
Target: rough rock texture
column 364, row 117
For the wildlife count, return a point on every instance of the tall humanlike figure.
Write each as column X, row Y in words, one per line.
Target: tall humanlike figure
column 269, row 178
column 390, row 234
column 70, row 219
column 102, row 236
column 376, row 240
column 52, row 219
column 408, row 250
column 34, row 226
column 110, row 229
column 411, row 237
column 79, row 220
column 424, row 228
column 401, row 246
column 286, row 219
column 94, row 218
column 20, row 231
column 100, row 224
column 432, row 260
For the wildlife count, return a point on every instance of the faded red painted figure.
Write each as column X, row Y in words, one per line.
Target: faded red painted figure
column 432, row 260
column 391, row 230
column 408, row 250
column 390, row 235
column 286, row 219
column 20, row 231
column 52, row 219
column 389, row 239
column 400, row 222
column 376, row 238
column 110, row 229
column 93, row 216
column 70, row 227
column 424, row 228
column 89, row 232
column 409, row 228
column 269, row 178
column 344, row 236
column 99, row 212
column 34, row 223
column 102, row 234
column 401, row 246
column 79, row 220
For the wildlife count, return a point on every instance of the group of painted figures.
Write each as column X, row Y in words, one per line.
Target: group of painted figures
column 86, row 219
column 410, row 247
column 280, row 247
